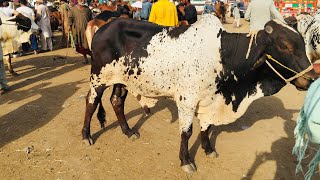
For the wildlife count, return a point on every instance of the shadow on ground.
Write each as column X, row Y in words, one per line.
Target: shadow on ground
column 38, row 112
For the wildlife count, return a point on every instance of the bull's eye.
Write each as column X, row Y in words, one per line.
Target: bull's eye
column 284, row 47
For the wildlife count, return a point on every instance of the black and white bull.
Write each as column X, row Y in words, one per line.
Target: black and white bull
column 13, row 32
column 201, row 67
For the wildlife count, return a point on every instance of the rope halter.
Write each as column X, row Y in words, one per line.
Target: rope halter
column 297, row 75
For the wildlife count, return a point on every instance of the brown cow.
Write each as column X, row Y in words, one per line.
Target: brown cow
column 221, row 9
column 92, row 28
column 104, row 17
column 105, row 7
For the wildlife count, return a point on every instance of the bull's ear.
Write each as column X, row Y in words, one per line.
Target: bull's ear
column 268, row 29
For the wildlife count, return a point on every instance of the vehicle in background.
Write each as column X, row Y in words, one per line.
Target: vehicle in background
column 199, row 5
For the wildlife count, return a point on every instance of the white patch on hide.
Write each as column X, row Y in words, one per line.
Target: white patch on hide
column 217, row 112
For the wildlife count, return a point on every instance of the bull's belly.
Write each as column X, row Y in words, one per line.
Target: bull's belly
column 216, row 111
column 151, row 88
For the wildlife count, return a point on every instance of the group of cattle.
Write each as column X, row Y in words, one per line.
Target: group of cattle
column 203, row 68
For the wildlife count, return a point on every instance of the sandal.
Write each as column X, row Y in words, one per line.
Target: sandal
column 4, row 90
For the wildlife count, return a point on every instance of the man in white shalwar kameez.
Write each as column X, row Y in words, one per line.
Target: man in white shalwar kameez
column 44, row 24
column 259, row 12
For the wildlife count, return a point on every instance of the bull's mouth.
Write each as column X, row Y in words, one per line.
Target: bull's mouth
column 303, row 83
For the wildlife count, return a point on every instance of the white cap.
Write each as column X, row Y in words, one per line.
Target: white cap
column 137, row 4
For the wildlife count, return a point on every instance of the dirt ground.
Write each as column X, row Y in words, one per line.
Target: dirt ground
column 42, row 117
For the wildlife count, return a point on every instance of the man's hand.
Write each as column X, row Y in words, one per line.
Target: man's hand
column 181, row 9
column 252, row 33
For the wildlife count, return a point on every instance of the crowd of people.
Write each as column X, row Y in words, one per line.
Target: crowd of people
column 76, row 14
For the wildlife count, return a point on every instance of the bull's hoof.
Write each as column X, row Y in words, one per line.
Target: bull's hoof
column 134, row 136
column 88, row 141
column 213, row 155
column 189, row 168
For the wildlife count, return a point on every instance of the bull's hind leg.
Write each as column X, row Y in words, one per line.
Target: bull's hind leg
column 186, row 112
column 117, row 100
column 205, row 142
column 92, row 101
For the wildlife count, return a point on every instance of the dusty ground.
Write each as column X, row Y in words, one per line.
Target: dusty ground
column 44, row 114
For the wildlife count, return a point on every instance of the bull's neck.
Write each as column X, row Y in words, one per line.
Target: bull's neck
column 238, row 79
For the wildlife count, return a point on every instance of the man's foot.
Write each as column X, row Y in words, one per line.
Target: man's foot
column 35, row 52
column 4, row 90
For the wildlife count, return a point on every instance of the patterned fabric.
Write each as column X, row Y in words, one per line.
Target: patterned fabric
column 308, row 128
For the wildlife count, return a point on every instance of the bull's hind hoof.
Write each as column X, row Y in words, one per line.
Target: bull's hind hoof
column 189, row 168
column 134, row 136
column 213, row 155
column 88, row 141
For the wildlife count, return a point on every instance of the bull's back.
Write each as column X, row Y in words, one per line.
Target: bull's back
column 122, row 37
column 155, row 60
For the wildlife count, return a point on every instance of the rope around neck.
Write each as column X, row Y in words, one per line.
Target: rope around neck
column 252, row 35
column 292, row 78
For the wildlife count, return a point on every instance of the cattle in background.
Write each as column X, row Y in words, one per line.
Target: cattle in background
column 203, row 68
column 309, row 28
column 13, row 32
column 55, row 18
column 221, row 10
column 100, row 20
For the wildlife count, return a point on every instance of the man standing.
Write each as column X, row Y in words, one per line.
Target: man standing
column 44, row 23
column 189, row 12
column 64, row 10
column 164, row 13
column 79, row 16
column 3, row 81
column 28, row 12
column 146, row 8
column 259, row 12
column 8, row 11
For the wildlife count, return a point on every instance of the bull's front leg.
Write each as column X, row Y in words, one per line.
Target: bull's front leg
column 186, row 113
column 117, row 100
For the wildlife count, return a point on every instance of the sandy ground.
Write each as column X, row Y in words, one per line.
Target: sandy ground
column 41, row 121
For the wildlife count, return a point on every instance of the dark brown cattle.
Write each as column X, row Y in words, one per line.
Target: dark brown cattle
column 221, row 9
column 55, row 19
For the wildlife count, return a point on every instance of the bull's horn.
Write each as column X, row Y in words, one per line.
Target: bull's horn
column 13, row 19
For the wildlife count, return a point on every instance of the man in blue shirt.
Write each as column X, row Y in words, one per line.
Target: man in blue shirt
column 146, row 8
